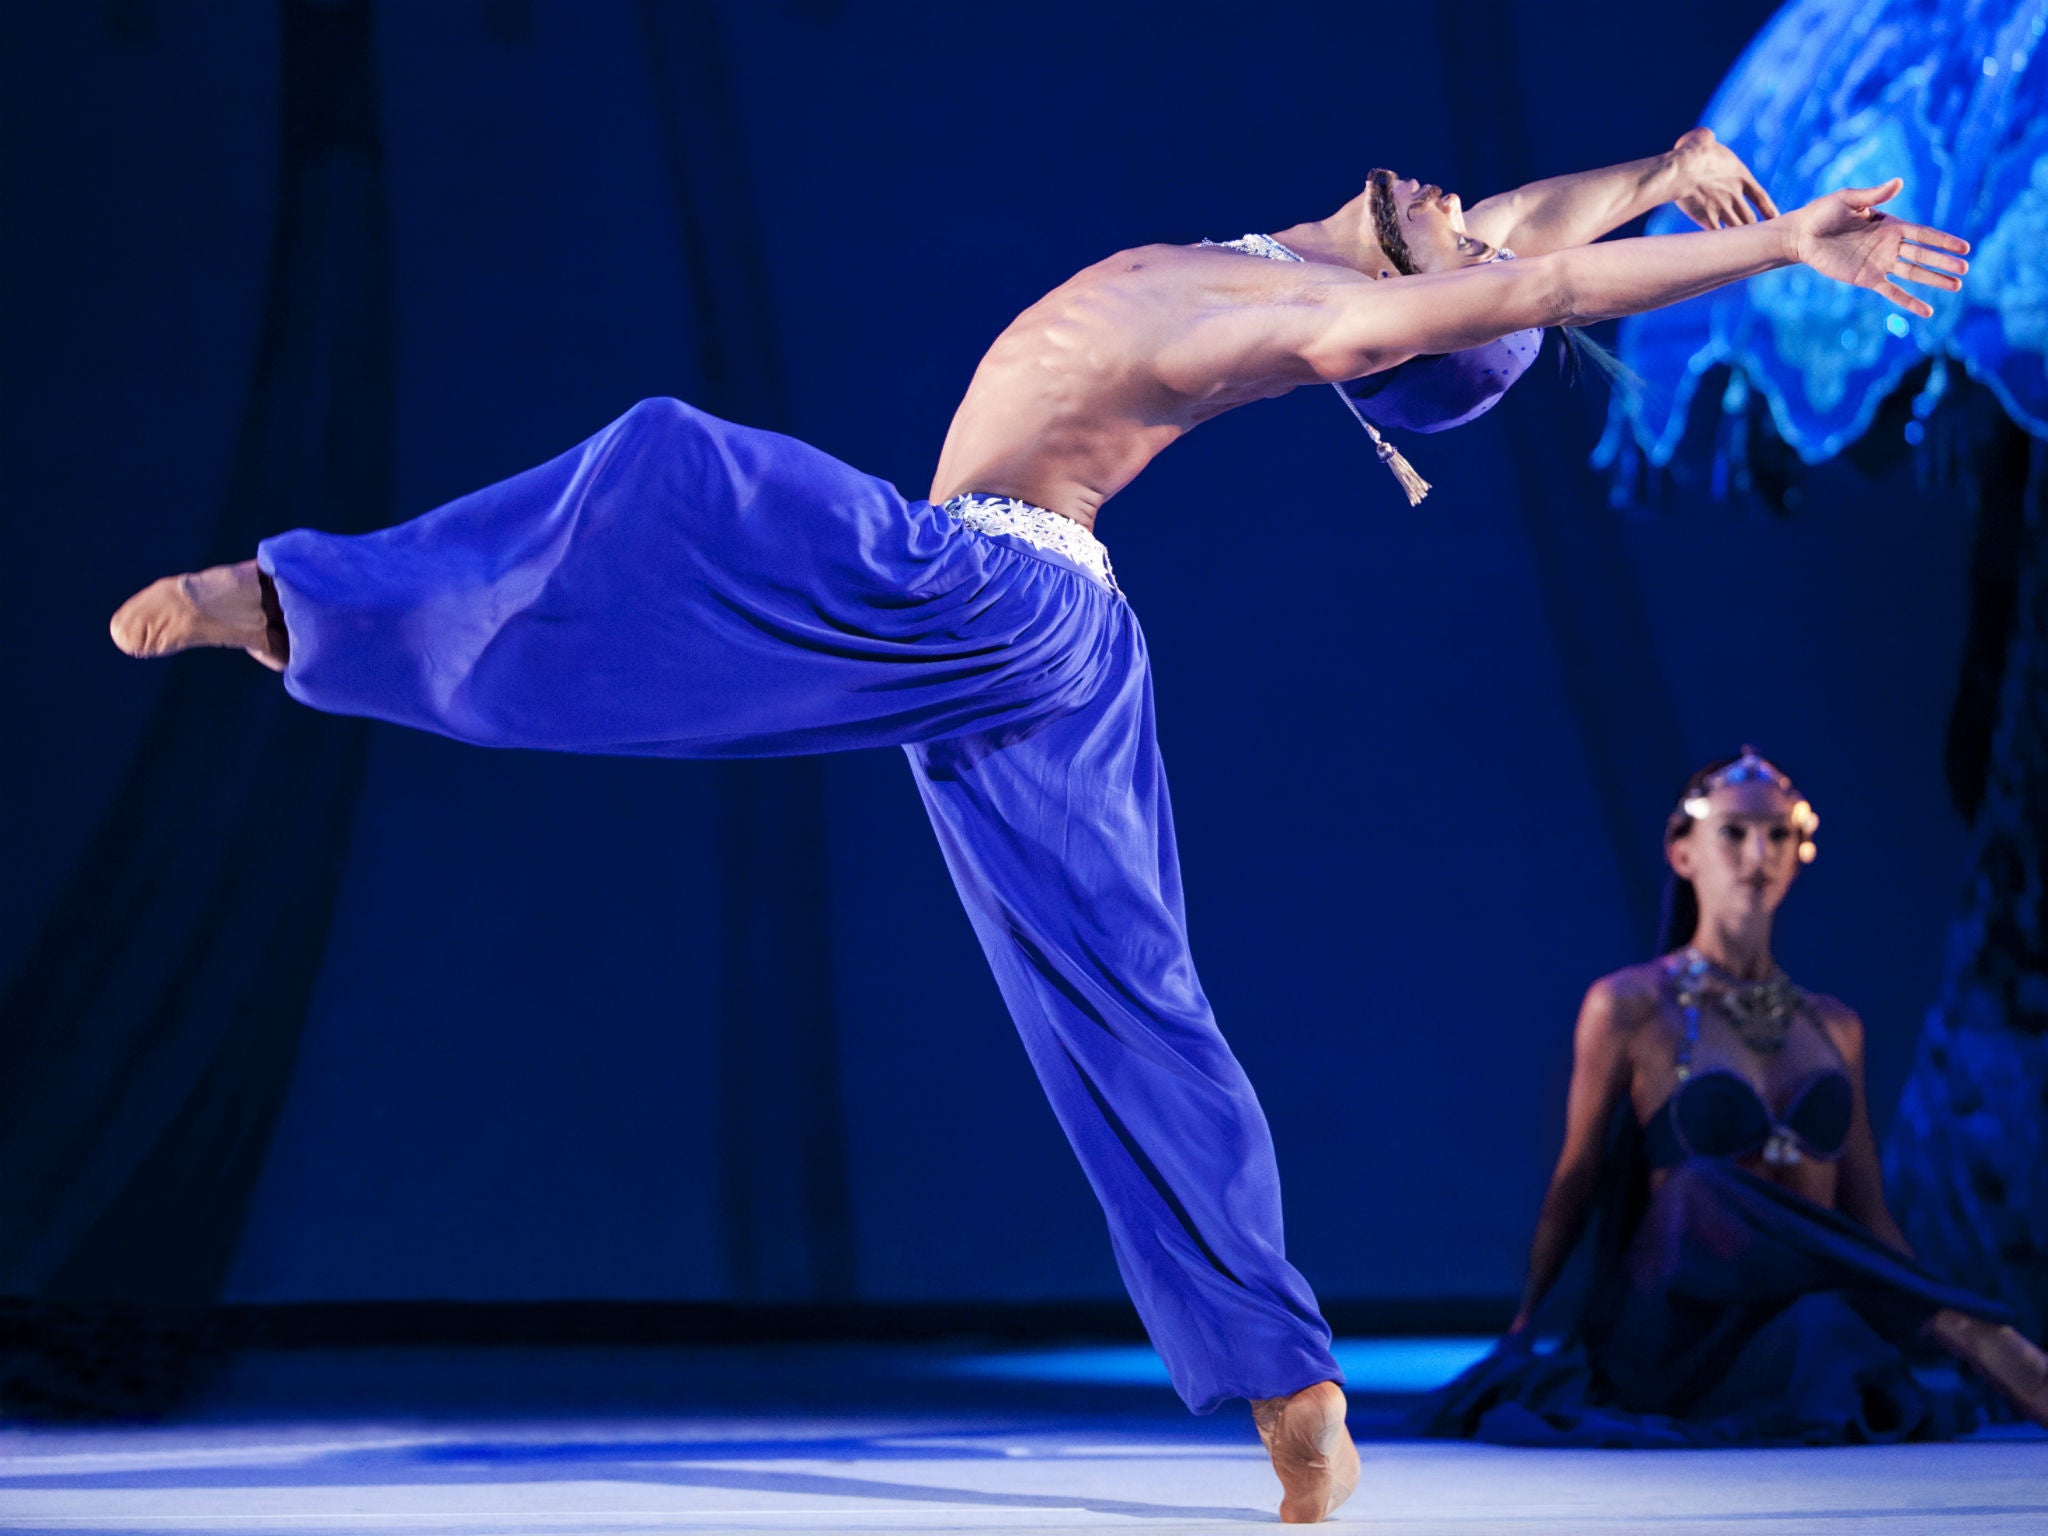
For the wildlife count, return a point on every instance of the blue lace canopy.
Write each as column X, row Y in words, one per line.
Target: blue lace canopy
column 1952, row 95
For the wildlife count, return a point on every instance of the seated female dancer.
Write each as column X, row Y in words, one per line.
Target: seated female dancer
column 684, row 587
column 1748, row 1284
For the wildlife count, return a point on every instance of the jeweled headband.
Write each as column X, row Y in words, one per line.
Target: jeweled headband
column 1753, row 768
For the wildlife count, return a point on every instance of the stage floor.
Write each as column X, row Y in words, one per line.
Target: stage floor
column 913, row 1440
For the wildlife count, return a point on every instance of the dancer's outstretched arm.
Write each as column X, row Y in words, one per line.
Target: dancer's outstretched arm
column 1602, row 1067
column 1368, row 326
column 1704, row 177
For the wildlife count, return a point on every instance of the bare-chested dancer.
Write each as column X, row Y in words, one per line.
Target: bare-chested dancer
column 681, row 586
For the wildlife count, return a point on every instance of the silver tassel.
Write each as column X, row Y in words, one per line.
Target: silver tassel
column 1411, row 483
column 1392, row 457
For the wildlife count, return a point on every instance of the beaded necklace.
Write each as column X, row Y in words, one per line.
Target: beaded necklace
column 1762, row 1012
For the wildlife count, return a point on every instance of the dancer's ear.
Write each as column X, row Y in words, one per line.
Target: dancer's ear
column 1679, row 854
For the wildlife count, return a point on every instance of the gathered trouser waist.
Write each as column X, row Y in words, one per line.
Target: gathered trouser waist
column 1040, row 527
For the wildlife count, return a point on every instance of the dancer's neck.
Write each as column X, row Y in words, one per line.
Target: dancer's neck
column 1344, row 239
column 1741, row 948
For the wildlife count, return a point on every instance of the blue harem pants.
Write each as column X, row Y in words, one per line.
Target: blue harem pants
column 679, row 586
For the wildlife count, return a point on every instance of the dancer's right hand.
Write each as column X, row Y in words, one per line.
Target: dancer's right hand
column 1518, row 1341
column 1717, row 191
column 1844, row 235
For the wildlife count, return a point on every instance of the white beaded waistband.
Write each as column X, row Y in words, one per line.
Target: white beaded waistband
column 1037, row 526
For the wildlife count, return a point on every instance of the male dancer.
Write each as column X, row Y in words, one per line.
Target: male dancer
column 681, row 586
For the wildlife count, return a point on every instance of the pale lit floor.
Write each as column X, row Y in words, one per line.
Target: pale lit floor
column 913, row 1440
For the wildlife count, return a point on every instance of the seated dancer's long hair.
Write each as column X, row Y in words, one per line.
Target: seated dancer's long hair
column 1680, row 918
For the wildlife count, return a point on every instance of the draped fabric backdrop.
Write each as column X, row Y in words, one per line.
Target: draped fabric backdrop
column 153, row 1023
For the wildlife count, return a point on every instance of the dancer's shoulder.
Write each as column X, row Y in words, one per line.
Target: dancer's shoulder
column 1842, row 1023
column 1623, row 1001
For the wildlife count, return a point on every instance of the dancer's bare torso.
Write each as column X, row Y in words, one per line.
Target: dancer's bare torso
column 1089, row 384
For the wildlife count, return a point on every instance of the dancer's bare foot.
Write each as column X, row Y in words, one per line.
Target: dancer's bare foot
column 1311, row 1449
column 224, row 605
column 2011, row 1361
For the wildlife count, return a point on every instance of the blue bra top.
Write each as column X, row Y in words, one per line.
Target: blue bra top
column 1718, row 1113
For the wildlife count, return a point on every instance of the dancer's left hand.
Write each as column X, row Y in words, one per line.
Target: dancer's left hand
column 1716, row 190
column 1847, row 236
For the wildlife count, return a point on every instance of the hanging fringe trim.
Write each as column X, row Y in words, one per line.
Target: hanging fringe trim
column 1412, row 483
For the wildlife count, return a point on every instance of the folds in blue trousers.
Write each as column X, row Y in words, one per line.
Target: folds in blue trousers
column 678, row 586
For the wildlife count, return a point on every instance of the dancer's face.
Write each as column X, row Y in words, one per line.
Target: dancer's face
column 1431, row 224
column 1743, row 857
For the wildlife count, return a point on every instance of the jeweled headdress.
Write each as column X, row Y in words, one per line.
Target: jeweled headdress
column 1753, row 768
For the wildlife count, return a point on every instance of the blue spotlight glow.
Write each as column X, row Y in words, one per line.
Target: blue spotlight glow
column 1370, row 1365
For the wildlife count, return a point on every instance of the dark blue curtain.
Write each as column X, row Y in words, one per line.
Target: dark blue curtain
column 1592, row 597
column 153, row 1025
column 782, row 1177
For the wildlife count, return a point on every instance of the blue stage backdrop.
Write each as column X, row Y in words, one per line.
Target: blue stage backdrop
column 625, row 1029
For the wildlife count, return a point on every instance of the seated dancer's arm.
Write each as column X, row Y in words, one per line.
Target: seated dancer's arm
column 1859, row 1190
column 1602, row 1069
column 1704, row 177
column 1372, row 325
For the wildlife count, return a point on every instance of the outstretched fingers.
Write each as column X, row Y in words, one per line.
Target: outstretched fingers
column 1906, row 270
column 1931, row 258
column 1886, row 288
column 1931, row 239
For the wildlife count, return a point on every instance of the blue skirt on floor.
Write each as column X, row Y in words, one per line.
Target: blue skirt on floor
column 1730, row 1311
